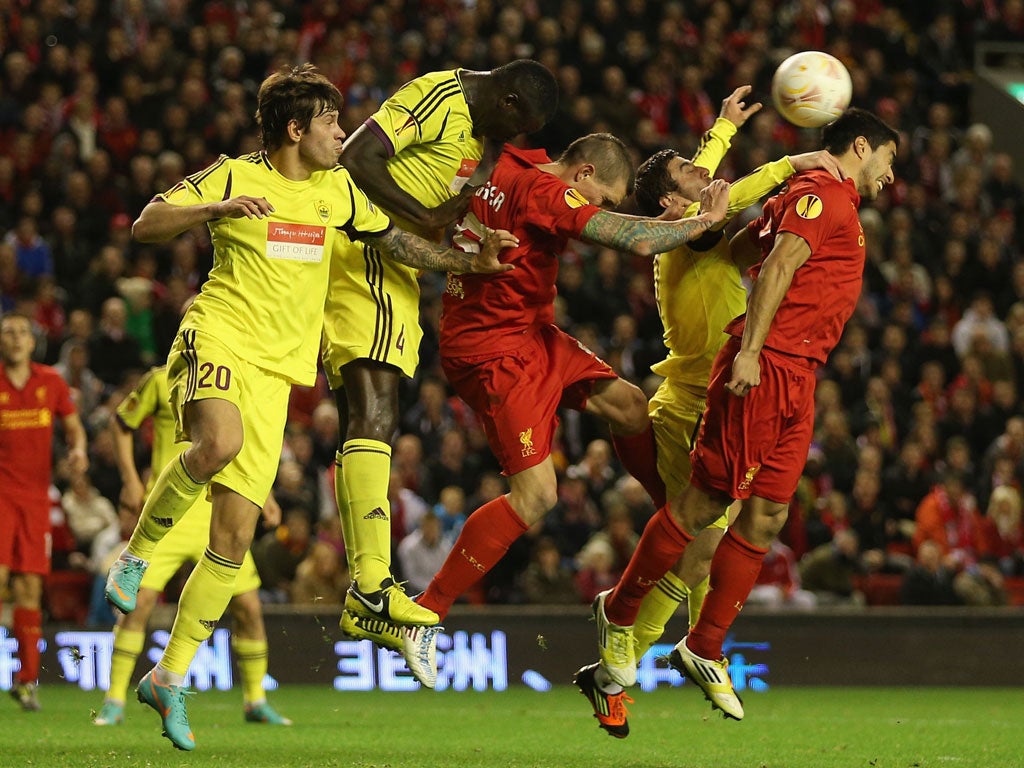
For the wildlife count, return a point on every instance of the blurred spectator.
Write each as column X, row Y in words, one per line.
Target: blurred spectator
column 431, row 417
column 422, row 553
column 778, row 583
column 979, row 318
column 946, row 516
column 320, row 577
column 828, row 570
column 450, row 511
column 112, row 352
column 546, row 581
column 618, row 533
column 407, row 508
column 87, row 512
column 981, row 584
column 596, row 570
column 929, row 581
column 278, row 553
column 34, row 258
column 1001, row 536
column 86, row 388
column 595, row 468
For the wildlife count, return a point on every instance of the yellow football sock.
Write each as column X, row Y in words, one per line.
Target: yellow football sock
column 367, row 471
column 696, row 599
column 173, row 494
column 656, row 609
column 251, row 656
column 347, row 529
column 128, row 645
column 203, row 600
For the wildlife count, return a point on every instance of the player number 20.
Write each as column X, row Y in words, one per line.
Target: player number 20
column 221, row 379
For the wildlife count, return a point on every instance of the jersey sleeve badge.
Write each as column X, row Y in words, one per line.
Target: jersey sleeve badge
column 574, row 199
column 809, row 207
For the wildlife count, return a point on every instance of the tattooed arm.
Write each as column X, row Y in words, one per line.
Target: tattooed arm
column 648, row 237
column 413, row 251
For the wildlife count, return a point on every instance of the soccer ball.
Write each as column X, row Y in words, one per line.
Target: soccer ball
column 811, row 89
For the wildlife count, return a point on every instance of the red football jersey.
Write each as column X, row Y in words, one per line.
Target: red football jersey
column 490, row 313
column 825, row 289
column 26, row 428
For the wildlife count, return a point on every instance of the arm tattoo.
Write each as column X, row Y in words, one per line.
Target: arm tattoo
column 640, row 235
column 413, row 251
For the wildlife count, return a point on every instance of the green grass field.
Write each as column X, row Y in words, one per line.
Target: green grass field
column 784, row 728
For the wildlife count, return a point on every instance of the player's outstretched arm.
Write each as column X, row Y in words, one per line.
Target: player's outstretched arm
column 413, row 251
column 647, row 237
column 822, row 158
column 161, row 221
column 776, row 275
column 365, row 157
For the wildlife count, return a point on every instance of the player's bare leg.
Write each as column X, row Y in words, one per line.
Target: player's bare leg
column 371, row 413
column 734, row 570
column 215, row 428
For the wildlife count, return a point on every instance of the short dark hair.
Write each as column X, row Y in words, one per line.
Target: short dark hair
column 653, row 181
column 608, row 154
column 533, row 82
column 299, row 94
column 839, row 136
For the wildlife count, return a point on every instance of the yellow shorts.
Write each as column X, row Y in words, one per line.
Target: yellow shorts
column 201, row 367
column 372, row 312
column 185, row 543
column 675, row 414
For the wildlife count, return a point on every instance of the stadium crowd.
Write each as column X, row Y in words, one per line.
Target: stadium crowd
column 918, row 459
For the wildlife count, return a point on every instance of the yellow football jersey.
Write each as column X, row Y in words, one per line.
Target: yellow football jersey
column 428, row 131
column 265, row 293
column 151, row 398
column 698, row 286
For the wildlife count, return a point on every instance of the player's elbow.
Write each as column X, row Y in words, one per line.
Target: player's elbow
column 644, row 248
column 144, row 231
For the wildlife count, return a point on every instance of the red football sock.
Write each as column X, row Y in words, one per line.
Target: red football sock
column 27, row 629
column 660, row 546
column 639, row 455
column 484, row 539
column 734, row 570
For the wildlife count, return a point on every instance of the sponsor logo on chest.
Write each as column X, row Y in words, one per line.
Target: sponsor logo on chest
column 466, row 168
column 295, row 242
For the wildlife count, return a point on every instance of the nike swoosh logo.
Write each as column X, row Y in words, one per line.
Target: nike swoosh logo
column 375, row 607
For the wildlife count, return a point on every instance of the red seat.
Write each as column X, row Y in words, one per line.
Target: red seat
column 881, row 588
column 67, row 595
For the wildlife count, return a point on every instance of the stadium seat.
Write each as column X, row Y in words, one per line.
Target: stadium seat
column 67, row 595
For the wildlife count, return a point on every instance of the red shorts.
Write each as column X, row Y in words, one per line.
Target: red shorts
column 756, row 445
column 516, row 394
column 25, row 532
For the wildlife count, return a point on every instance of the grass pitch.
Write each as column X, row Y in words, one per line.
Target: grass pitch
column 784, row 728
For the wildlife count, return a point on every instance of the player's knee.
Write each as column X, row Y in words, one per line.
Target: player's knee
column 534, row 503
column 211, row 453
column 377, row 423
